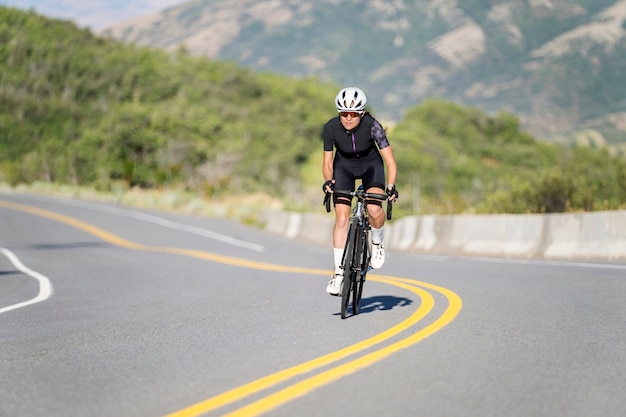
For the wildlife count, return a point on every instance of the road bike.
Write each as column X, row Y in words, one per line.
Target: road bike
column 357, row 253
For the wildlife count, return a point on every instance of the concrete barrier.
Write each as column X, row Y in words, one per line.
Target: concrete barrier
column 597, row 235
column 592, row 236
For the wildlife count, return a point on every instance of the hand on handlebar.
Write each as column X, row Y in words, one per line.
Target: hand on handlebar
column 329, row 186
column 392, row 193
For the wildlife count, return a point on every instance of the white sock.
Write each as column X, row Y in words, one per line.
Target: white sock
column 377, row 235
column 337, row 255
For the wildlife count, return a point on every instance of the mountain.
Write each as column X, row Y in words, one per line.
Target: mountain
column 556, row 63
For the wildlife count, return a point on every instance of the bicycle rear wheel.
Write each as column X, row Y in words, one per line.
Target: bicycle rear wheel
column 349, row 269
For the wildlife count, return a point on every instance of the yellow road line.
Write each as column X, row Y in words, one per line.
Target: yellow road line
column 118, row 241
column 303, row 387
column 96, row 231
column 246, row 390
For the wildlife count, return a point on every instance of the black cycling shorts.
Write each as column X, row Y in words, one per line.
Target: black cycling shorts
column 369, row 169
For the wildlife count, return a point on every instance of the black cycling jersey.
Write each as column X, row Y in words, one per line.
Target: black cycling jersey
column 356, row 143
column 357, row 156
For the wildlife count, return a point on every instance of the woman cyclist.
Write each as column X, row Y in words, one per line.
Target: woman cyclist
column 360, row 145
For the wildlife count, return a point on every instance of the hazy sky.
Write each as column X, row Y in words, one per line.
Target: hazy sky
column 96, row 14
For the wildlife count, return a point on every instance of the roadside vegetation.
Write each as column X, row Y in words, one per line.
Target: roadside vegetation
column 80, row 110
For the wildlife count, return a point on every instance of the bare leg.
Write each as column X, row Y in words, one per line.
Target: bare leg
column 340, row 230
column 376, row 213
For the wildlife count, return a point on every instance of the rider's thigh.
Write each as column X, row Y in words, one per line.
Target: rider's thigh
column 376, row 190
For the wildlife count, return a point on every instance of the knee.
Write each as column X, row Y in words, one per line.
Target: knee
column 374, row 211
column 342, row 215
column 341, row 220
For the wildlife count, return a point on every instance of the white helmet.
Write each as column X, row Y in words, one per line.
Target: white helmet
column 350, row 99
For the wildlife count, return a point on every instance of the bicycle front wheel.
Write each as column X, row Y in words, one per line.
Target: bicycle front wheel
column 361, row 263
column 357, row 289
column 349, row 268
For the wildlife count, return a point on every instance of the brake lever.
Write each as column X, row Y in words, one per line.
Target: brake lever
column 327, row 202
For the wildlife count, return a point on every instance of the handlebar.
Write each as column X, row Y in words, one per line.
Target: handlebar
column 360, row 195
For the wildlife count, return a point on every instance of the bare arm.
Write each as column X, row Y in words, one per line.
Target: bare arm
column 392, row 167
column 327, row 166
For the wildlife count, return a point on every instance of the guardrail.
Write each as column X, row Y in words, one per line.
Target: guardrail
column 589, row 236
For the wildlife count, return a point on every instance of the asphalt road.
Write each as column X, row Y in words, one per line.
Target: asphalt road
column 110, row 311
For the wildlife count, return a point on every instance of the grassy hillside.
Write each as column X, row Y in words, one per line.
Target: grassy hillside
column 78, row 109
column 458, row 158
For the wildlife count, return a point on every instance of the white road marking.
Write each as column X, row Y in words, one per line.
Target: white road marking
column 172, row 225
column 45, row 287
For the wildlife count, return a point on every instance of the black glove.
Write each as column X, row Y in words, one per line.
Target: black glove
column 329, row 184
column 392, row 193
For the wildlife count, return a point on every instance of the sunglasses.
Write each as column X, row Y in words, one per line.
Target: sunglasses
column 351, row 113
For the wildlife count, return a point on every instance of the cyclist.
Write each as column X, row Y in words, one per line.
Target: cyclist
column 360, row 145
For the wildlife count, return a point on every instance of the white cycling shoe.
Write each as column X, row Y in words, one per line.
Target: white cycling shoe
column 378, row 255
column 334, row 285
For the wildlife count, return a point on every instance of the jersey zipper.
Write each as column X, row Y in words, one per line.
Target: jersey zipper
column 354, row 145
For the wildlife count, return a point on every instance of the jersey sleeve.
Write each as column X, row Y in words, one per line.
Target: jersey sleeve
column 379, row 135
column 328, row 137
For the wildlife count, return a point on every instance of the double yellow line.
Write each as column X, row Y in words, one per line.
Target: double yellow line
column 301, row 388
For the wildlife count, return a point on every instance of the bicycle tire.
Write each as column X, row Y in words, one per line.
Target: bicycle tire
column 348, row 268
column 364, row 266
column 357, row 283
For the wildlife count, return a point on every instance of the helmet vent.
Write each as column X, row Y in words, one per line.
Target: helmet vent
column 351, row 99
